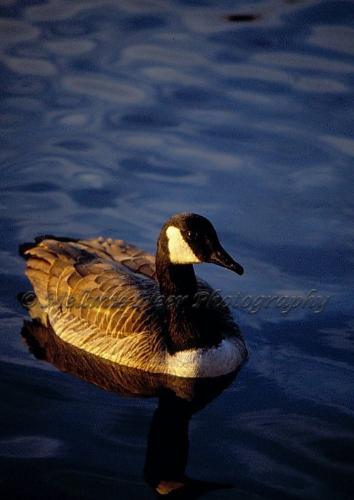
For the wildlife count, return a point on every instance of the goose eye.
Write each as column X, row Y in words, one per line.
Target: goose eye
column 192, row 235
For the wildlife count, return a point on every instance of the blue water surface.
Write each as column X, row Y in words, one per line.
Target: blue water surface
column 115, row 115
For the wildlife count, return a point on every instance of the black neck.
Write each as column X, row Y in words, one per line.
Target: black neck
column 178, row 287
column 175, row 279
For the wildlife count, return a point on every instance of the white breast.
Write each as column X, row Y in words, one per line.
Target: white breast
column 225, row 358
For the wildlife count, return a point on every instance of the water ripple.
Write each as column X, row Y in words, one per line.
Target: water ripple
column 30, row 447
column 104, row 88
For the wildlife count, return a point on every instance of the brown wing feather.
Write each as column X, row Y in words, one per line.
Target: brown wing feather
column 92, row 292
column 132, row 257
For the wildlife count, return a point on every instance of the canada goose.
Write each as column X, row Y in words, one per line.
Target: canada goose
column 114, row 300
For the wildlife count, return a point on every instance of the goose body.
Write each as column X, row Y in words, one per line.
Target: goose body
column 115, row 301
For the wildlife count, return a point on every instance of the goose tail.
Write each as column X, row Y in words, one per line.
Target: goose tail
column 40, row 256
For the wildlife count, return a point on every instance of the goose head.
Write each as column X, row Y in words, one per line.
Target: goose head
column 191, row 239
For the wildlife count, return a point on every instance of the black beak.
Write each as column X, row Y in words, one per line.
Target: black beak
column 223, row 259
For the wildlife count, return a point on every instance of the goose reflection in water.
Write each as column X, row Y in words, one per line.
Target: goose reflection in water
column 178, row 399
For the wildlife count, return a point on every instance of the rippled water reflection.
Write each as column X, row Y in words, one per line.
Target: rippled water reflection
column 115, row 115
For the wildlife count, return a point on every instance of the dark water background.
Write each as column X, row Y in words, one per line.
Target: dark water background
column 116, row 114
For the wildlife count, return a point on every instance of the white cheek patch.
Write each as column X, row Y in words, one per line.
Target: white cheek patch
column 179, row 250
